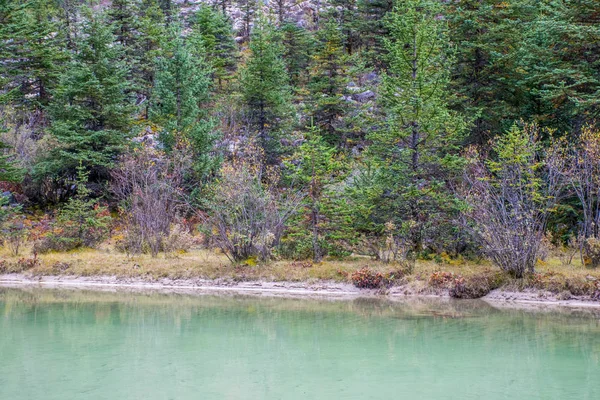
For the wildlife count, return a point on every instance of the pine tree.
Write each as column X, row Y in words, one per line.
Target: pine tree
column 122, row 16
column 347, row 13
column 179, row 99
column 264, row 87
column 90, row 112
column 216, row 33
column 82, row 222
column 328, row 82
column 423, row 133
column 248, row 9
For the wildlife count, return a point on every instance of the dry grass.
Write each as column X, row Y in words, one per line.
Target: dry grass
column 200, row 263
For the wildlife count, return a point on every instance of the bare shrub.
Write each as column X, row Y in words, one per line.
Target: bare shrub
column 16, row 232
column 583, row 175
column 568, row 251
column 148, row 184
column 248, row 213
column 510, row 197
column 179, row 240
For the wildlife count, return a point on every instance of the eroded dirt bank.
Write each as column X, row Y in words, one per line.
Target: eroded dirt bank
column 316, row 289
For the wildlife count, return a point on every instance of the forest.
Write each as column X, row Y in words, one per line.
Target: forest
column 396, row 131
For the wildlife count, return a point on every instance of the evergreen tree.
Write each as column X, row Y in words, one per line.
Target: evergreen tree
column 123, row 18
column 328, row 82
column 9, row 172
column 416, row 149
column 216, row 34
column 248, row 9
column 30, row 52
column 90, row 112
column 152, row 34
column 560, row 64
column 264, row 87
column 347, row 13
column 486, row 75
column 82, row 221
column 373, row 29
column 315, row 166
column 179, row 102
column 298, row 45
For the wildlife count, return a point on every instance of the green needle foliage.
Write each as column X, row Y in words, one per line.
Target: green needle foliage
column 264, row 87
column 328, row 81
column 419, row 144
column 180, row 95
column 315, row 166
column 216, row 33
column 82, row 222
column 30, row 55
column 90, row 111
column 9, row 172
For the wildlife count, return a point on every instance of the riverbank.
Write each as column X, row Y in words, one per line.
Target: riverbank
column 318, row 289
column 208, row 271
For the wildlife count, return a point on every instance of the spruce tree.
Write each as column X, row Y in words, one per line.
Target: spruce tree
column 216, row 33
column 179, row 102
column 31, row 51
column 248, row 9
column 417, row 147
column 373, row 29
column 347, row 13
column 328, row 81
column 560, row 64
column 486, row 75
column 90, row 112
column 152, row 35
column 9, row 172
column 315, row 166
column 123, row 18
column 264, row 87
column 298, row 46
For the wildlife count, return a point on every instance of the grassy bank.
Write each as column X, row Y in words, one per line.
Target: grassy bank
column 460, row 279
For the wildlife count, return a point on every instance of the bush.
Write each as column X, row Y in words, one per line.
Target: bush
column 82, row 222
column 248, row 214
column 366, row 278
column 148, row 184
column 509, row 199
column 476, row 286
column 442, row 279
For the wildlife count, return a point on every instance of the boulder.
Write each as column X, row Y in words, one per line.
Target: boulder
column 363, row 97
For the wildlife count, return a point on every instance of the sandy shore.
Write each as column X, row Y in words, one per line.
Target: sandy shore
column 320, row 289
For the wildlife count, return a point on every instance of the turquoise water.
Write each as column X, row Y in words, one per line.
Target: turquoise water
column 84, row 345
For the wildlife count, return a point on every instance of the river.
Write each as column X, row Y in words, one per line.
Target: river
column 70, row 344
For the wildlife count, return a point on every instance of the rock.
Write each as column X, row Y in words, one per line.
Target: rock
column 11, row 197
column 372, row 77
column 364, row 96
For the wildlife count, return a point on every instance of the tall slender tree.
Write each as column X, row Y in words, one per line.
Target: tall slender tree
column 422, row 135
column 298, row 44
column 216, row 33
column 264, row 86
column 328, row 81
column 179, row 102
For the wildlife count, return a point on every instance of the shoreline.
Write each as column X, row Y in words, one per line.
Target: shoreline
column 317, row 289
